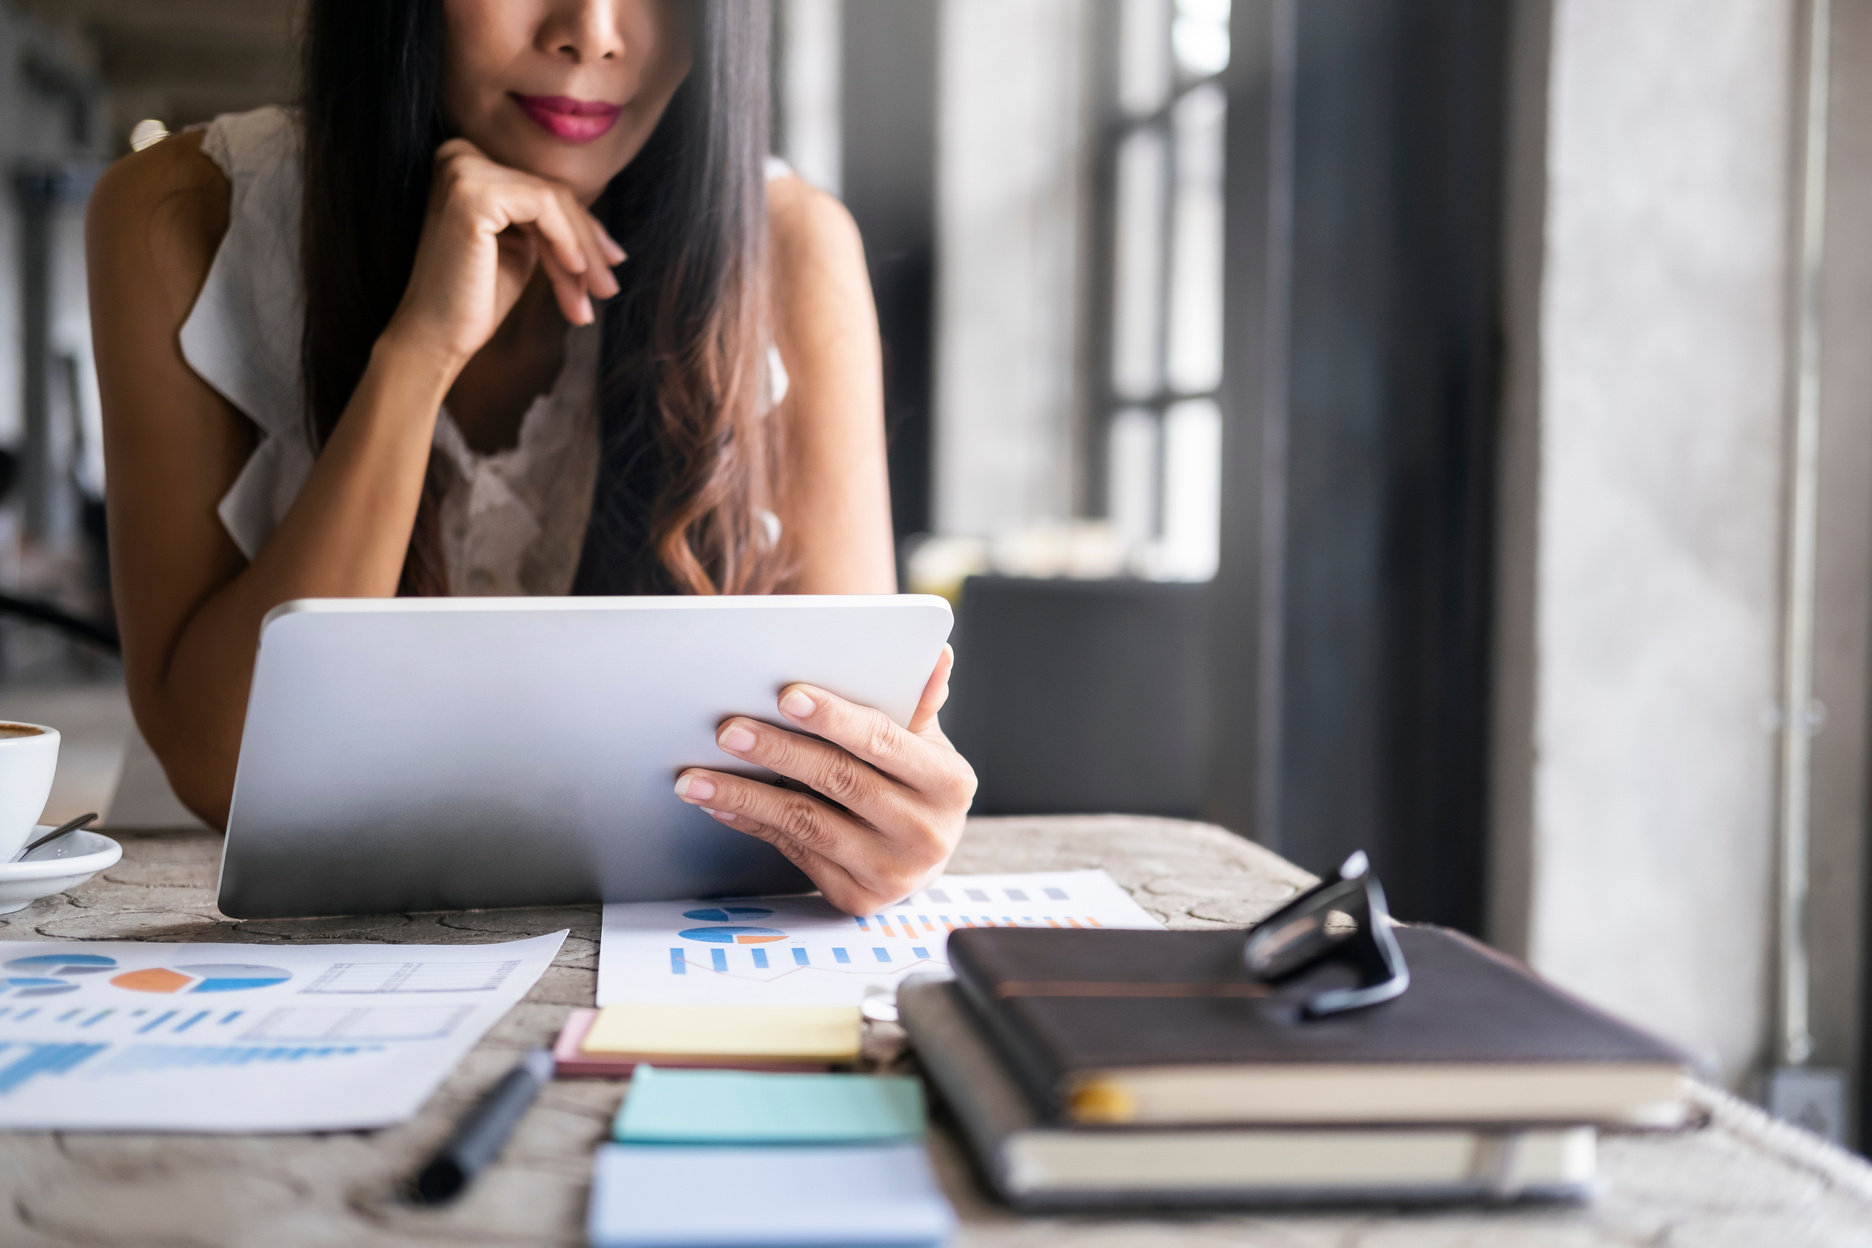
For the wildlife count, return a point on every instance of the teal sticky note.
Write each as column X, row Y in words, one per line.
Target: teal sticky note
column 668, row 1106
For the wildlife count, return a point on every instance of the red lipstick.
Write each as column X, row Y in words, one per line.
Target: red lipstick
column 575, row 121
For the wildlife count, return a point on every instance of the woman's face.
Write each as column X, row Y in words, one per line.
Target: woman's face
column 565, row 89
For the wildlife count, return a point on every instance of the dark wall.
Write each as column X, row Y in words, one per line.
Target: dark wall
column 889, row 135
column 1076, row 695
column 1365, row 348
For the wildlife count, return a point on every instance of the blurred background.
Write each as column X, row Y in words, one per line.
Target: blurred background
column 1441, row 428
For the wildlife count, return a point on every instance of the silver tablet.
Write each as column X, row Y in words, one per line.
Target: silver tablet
column 456, row 753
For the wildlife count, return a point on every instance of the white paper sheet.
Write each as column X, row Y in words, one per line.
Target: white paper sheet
column 129, row 1036
column 802, row 951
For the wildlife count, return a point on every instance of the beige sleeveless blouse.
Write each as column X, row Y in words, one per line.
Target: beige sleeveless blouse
column 513, row 522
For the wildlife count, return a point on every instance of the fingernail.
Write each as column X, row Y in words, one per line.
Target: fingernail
column 735, row 739
column 694, row 788
column 586, row 315
column 797, row 704
column 722, row 815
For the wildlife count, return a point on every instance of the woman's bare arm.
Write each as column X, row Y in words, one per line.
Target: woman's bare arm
column 837, row 512
column 189, row 607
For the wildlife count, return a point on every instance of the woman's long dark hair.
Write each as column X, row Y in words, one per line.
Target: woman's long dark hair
column 687, row 464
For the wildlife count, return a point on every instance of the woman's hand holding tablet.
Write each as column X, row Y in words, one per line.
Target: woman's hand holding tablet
column 897, row 795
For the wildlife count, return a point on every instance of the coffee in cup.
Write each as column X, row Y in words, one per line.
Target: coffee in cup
column 28, row 761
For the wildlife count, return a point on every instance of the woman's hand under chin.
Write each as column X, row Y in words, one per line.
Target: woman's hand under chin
column 487, row 228
column 904, row 792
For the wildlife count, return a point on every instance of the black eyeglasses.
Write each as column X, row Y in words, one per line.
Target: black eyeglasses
column 1341, row 920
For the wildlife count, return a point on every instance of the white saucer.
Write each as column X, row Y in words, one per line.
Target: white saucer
column 66, row 863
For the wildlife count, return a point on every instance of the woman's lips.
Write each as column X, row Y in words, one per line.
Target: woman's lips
column 575, row 121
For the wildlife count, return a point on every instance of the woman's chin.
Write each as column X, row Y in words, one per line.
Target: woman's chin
column 584, row 168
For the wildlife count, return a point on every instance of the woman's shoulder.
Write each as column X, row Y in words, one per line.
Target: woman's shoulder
column 163, row 210
column 813, row 235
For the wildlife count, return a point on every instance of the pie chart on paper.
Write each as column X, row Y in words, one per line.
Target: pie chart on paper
column 733, row 935
column 728, row 914
column 35, row 986
column 202, row 977
column 48, row 974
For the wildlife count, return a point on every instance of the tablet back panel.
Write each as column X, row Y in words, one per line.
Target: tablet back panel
column 431, row 754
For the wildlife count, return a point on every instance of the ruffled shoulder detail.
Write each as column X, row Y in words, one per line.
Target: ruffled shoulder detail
column 243, row 335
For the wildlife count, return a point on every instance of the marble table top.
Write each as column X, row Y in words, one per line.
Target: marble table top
column 1742, row 1179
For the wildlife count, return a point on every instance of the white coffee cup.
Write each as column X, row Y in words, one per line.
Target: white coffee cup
column 28, row 759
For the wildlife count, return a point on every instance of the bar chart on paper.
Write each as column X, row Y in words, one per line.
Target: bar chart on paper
column 803, row 951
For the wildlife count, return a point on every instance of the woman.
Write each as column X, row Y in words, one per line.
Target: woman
column 507, row 306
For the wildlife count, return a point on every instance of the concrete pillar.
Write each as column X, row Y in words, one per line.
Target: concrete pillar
column 810, row 33
column 1643, row 520
column 1011, row 149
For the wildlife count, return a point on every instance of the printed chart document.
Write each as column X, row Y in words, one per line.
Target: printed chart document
column 804, row 951
column 130, row 1036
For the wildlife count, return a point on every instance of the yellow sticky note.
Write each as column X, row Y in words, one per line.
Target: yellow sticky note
column 797, row 1033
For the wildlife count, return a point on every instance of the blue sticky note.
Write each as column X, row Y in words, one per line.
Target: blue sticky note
column 670, row 1106
column 662, row 1196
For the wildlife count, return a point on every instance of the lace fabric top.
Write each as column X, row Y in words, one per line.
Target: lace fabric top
column 512, row 522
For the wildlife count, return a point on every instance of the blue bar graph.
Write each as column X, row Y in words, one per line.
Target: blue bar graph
column 841, row 955
column 677, row 964
column 154, row 1023
column 1015, row 894
column 43, row 1059
column 976, row 894
column 800, row 957
column 862, row 925
column 143, row 1057
column 1057, row 894
column 883, row 955
column 938, row 896
column 919, row 951
column 720, row 958
column 196, row 1018
column 95, row 1017
column 229, row 1017
column 760, row 959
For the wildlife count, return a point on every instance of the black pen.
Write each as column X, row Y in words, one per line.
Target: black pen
column 482, row 1131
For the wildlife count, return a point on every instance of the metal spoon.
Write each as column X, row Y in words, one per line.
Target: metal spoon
column 65, row 829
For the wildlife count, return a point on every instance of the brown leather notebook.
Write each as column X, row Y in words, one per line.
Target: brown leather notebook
column 1119, row 1027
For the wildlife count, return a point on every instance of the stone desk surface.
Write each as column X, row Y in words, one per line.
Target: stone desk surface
column 1741, row 1180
